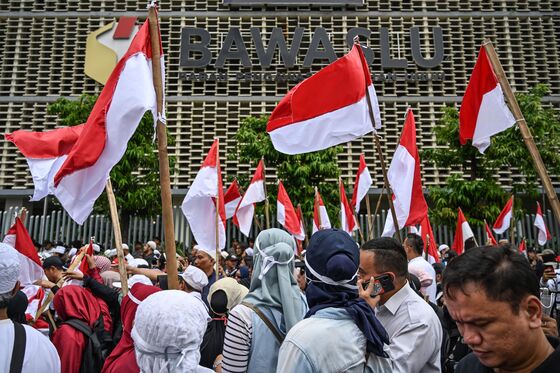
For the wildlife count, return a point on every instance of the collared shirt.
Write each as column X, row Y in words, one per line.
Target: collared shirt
column 420, row 268
column 415, row 332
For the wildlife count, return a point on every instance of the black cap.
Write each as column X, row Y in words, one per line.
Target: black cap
column 53, row 261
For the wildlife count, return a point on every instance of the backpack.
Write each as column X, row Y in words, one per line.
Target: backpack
column 98, row 344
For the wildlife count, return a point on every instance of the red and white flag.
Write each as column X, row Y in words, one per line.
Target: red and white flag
column 231, row 199
column 428, row 237
column 302, row 226
column 484, row 112
column 320, row 217
column 84, row 266
column 347, row 219
column 361, row 185
column 199, row 205
column 127, row 95
column 544, row 234
column 45, row 152
column 522, row 247
column 503, row 221
column 35, row 296
column 327, row 109
column 406, row 182
column 463, row 232
column 255, row 193
column 489, row 235
column 19, row 239
column 286, row 214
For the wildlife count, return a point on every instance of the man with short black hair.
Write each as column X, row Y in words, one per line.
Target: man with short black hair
column 415, row 332
column 493, row 296
column 419, row 267
column 206, row 261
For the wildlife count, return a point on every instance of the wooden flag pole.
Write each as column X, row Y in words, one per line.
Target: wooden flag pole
column 118, row 235
column 318, row 209
column 523, row 128
column 266, row 203
column 303, row 224
column 427, row 247
column 369, row 219
column 512, row 223
column 217, row 208
column 164, row 178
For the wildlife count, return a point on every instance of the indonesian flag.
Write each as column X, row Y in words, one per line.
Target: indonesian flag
column 302, row 226
column 489, row 235
column 199, row 205
column 127, row 95
column 522, row 247
column 231, row 199
column 430, row 244
column 320, row 216
column 327, row 109
column 361, row 185
column 35, row 296
column 347, row 219
column 31, row 268
column 544, row 234
column 255, row 193
column 84, row 266
column 502, row 224
column 405, row 180
column 483, row 112
column 463, row 232
column 286, row 214
column 45, row 152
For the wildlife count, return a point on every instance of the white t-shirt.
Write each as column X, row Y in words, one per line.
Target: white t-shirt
column 420, row 268
column 40, row 353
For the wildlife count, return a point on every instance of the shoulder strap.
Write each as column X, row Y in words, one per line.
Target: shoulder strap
column 267, row 322
column 80, row 326
column 18, row 353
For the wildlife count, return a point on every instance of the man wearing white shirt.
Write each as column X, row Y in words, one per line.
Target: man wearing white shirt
column 420, row 267
column 414, row 330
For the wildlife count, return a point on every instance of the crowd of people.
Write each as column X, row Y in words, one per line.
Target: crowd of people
column 264, row 306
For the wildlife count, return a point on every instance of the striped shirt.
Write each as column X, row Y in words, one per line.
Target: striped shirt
column 237, row 341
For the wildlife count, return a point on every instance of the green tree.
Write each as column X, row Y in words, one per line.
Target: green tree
column 135, row 178
column 299, row 173
column 474, row 183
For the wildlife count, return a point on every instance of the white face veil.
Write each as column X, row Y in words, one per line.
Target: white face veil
column 167, row 333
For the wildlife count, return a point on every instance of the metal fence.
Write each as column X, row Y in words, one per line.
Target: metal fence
column 58, row 226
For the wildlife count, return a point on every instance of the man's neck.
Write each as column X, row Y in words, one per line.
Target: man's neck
column 3, row 313
column 413, row 256
column 543, row 350
column 209, row 271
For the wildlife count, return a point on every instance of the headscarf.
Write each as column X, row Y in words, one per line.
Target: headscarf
column 102, row 262
column 273, row 284
column 165, row 344
column 244, row 277
column 17, row 306
column 234, row 291
column 75, row 302
column 123, row 359
column 332, row 262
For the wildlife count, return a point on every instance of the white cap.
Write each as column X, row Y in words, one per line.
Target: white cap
column 59, row 250
column 134, row 280
column 113, row 252
column 96, row 248
column 152, row 244
column 225, row 254
column 125, row 246
column 249, row 251
column 107, row 252
column 443, row 247
column 137, row 262
column 9, row 268
column 157, row 254
column 195, row 278
column 72, row 252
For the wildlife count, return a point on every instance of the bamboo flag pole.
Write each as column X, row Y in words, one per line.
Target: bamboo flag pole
column 353, row 212
column 217, row 208
column 266, row 203
column 369, row 219
column 118, row 235
column 303, row 224
column 523, row 128
column 512, row 222
column 381, row 158
column 317, row 206
column 164, row 178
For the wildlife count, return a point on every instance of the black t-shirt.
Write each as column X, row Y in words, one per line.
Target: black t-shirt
column 470, row 363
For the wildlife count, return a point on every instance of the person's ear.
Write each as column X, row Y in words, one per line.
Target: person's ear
column 531, row 306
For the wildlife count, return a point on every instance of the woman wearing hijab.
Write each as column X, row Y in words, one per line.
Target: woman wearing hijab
column 242, row 276
column 340, row 332
column 223, row 296
column 123, row 359
column 169, row 344
column 273, row 306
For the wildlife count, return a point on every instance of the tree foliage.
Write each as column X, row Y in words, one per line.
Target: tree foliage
column 135, row 178
column 474, row 183
column 299, row 173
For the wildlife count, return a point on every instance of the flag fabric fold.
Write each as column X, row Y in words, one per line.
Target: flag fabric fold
column 84, row 266
column 231, row 199
column 347, row 219
column 361, row 185
column 503, row 221
column 543, row 234
column 430, row 245
column 302, row 227
column 286, row 214
column 405, row 181
column 463, row 232
column 484, row 112
column 31, row 268
column 326, row 109
column 320, row 216
column 489, row 235
column 199, row 205
column 245, row 211
column 522, row 247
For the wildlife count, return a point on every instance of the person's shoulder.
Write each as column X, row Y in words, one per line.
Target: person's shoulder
column 419, row 310
column 38, row 340
column 471, row 364
column 241, row 312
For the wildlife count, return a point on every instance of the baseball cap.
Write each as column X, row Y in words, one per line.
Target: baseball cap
column 152, row 244
column 53, row 261
column 232, row 257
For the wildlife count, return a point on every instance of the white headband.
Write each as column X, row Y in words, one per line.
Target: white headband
column 269, row 261
column 330, row 281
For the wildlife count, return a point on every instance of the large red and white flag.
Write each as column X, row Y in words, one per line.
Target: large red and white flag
column 255, row 193
column 406, row 182
column 231, row 199
column 429, row 239
column 463, row 232
column 326, row 109
column 543, row 234
column 484, row 112
column 286, row 214
column 361, row 185
column 199, row 205
column 127, row 95
column 320, row 217
column 348, row 221
column 503, row 221
column 45, row 152
column 489, row 235
column 19, row 239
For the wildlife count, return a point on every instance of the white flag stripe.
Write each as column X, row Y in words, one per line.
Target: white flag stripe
column 246, row 210
column 363, row 187
column 231, row 206
column 541, row 227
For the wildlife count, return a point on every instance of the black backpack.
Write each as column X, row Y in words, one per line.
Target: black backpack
column 98, row 344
